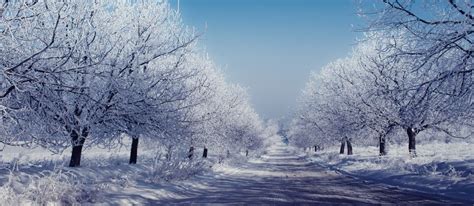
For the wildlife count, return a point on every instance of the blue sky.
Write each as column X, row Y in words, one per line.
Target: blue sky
column 270, row 46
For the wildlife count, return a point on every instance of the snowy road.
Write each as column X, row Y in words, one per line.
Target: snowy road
column 281, row 177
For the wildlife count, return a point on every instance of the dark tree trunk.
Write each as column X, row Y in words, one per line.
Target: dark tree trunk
column 134, row 151
column 191, row 152
column 343, row 145
column 349, row 146
column 382, row 151
column 168, row 153
column 76, row 156
column 204, row 153
column 315, row 148
column 77, row 143
column 411, row 142
column 246, row 153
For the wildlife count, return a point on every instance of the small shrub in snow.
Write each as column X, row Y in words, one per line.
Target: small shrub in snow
column 174, row 169
column 48, row 187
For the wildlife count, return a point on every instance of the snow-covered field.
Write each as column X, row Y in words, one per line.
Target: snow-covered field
column 441, row 168
column 38, row 177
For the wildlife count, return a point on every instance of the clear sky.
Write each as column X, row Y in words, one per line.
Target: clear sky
column 270, row 46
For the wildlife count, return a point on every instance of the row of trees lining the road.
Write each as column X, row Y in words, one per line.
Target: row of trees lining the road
column 412, row 73
column 76, row 73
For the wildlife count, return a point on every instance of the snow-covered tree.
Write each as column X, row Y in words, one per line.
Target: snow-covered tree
column 87, row 76
column 52, row 78
column 436, row 39
column 375, row 91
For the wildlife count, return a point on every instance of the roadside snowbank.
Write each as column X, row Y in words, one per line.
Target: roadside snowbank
column 441, row 168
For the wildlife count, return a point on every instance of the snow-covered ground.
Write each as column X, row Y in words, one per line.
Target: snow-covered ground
column 281, row 176
column 38, row 177
column 441, row 168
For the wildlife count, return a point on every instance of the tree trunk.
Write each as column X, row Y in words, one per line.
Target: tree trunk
column 76, row 156
column 77, row 143
column 349, row 146
column 134, row 151
column 411, row 142
column 191, row 152
column 247, row 153
column 343, row 145
column 204, row 153
column 168, row 153
column 382, row 151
